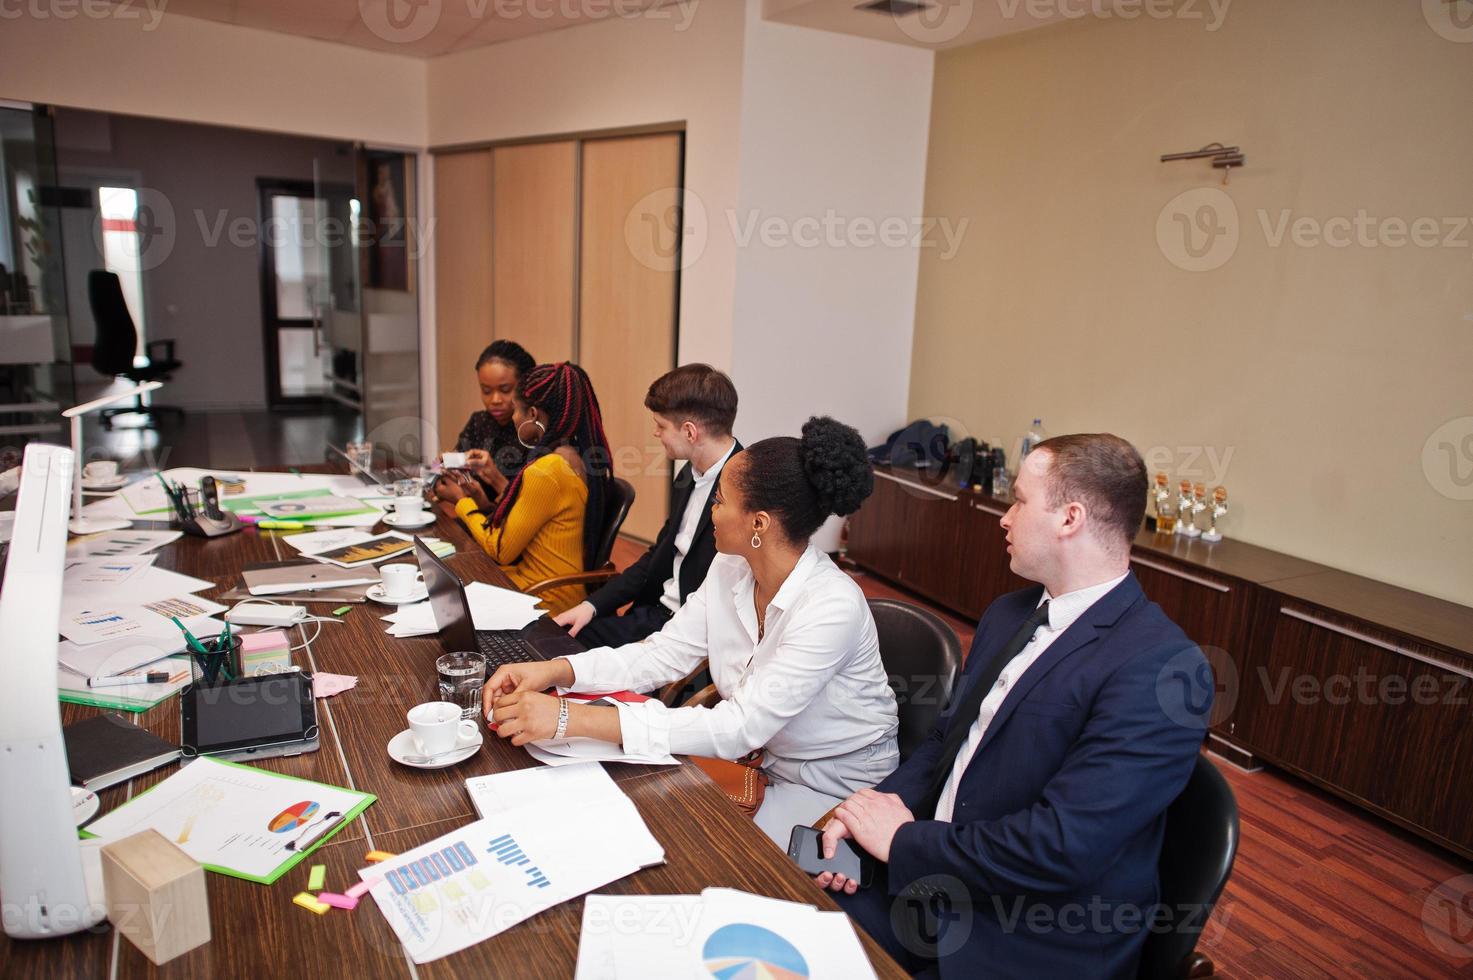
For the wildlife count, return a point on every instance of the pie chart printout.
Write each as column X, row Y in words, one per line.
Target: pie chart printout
column 292, row 817
column 742, row 951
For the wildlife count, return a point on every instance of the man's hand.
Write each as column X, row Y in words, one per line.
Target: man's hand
column 833, row 832
column 872, row 819
column 576, row 618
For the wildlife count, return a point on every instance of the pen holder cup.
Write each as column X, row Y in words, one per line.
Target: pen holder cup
column 228, row 659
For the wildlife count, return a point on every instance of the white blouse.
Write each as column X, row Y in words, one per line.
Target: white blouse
column 813, row 688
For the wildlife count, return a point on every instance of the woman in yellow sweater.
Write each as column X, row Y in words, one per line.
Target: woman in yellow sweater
column 547, row 516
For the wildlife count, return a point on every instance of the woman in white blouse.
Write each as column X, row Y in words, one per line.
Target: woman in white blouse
column 789, row 637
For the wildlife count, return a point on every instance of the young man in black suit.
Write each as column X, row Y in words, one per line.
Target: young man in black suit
column 694, row 408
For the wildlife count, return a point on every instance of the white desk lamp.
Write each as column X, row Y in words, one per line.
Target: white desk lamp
column 92, row 525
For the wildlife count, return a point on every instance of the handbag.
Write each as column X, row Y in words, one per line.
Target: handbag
column 742, row 780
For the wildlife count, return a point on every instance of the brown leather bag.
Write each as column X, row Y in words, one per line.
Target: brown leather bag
column 743, row 780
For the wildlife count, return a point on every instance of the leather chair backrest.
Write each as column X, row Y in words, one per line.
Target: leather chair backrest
column 1196, row 859
column 616, row 507
column 117, row 338
column 922, row 657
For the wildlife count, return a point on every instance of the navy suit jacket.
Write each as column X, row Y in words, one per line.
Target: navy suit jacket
column 1057, row 827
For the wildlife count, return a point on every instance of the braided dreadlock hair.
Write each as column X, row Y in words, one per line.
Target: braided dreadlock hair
column 565, row 395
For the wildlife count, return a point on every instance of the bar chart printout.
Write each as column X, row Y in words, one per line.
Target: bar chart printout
column 486, row 877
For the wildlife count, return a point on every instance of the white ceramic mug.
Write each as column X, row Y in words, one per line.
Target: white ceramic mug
column 399, row 581
column 453, row 461
column 438, row 727
column 408, row 508
column 100, row 471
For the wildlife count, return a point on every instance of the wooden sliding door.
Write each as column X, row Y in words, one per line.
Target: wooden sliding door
column 462, row 233
column 535, row 234
column 627, row 296
column 540, row 243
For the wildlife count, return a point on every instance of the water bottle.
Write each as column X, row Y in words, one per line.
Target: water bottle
column 1032, row 439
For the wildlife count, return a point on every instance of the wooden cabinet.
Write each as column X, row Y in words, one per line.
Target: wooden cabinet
column 1359, row 687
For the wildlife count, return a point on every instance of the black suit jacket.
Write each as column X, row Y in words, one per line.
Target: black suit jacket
column 643, row 583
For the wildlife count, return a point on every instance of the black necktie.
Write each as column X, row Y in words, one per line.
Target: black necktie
column 966, row 712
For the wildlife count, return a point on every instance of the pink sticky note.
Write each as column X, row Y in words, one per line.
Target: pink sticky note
column 362, row 888
column 326, row 685
column 337, row 901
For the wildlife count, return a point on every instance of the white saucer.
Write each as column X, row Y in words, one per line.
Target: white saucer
column 85, row 805
column 403, row 745
column 103, row 485
column 393, row 520
column 376, row 593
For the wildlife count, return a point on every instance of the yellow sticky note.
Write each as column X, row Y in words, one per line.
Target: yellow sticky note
column 309, row 903
column 374, row 857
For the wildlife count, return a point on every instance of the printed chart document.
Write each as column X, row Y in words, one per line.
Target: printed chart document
column 482, row 879
column 721, row 933
column 237, row 820
column 119, row 544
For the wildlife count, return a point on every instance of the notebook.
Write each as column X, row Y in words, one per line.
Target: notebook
column 109, row 749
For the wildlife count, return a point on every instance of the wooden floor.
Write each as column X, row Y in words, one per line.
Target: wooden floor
column 1320, row 888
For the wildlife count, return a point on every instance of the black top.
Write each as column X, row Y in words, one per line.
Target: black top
column 484, row 432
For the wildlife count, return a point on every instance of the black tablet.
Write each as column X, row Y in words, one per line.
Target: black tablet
column 249, row 718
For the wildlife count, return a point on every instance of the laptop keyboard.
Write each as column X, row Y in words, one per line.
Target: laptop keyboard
column 502, row 648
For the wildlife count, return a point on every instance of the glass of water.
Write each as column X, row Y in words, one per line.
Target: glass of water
column 361, row 453
column 462, row 675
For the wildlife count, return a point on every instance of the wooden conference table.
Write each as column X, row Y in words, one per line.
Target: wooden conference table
column 257, row 931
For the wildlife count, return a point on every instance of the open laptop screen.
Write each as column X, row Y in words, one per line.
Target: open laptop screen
column 447, row 600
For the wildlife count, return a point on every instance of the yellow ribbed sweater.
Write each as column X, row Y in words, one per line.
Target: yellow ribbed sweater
column 542, row 536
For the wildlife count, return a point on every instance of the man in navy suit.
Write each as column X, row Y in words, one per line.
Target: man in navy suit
column 1022, row 838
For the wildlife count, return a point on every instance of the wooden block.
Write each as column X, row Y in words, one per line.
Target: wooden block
column 156, row 895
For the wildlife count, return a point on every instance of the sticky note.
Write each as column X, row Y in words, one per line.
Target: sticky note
column 309, row 903
column 361, row 889
column 337, row 901
column 342, row 609
column 374, row 857
column 317, row 877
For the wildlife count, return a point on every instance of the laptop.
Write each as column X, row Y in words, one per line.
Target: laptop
column 541, row 639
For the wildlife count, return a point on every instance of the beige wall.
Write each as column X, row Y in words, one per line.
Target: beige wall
column 1305, row 377
column 192, row 70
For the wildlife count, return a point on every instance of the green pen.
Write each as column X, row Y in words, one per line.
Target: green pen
column 189, row 637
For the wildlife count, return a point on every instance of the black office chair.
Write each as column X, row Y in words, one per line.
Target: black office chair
column 1196, row 860
column 922, row 657
column 116, row 343
column 598, row 569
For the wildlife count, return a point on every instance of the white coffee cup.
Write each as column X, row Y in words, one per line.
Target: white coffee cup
column 400, row 580
column 453, row 461
column 438, row 727
column 408, row 507
column 100, row 471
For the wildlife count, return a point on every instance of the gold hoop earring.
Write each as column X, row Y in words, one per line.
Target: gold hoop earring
column 756, row 541
column 540, row 435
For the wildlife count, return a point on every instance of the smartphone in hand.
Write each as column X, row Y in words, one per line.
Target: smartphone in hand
column 805, row 847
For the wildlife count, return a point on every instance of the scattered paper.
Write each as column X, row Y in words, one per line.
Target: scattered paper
column 236, row 819
column 104, row 571
column 118, row 544
column 492, row 608
column 113, row 657
column 114, row 622
column 643, row 936
column 480, row 880
column 373, row 549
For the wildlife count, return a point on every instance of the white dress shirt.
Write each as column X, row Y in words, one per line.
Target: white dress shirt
column 1062, row 612
column 695, row 506
column 813, row 688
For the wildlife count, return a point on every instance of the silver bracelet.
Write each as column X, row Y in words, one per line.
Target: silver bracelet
column 562, row 718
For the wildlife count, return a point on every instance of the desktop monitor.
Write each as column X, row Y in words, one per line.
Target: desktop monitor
column 43, row 887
